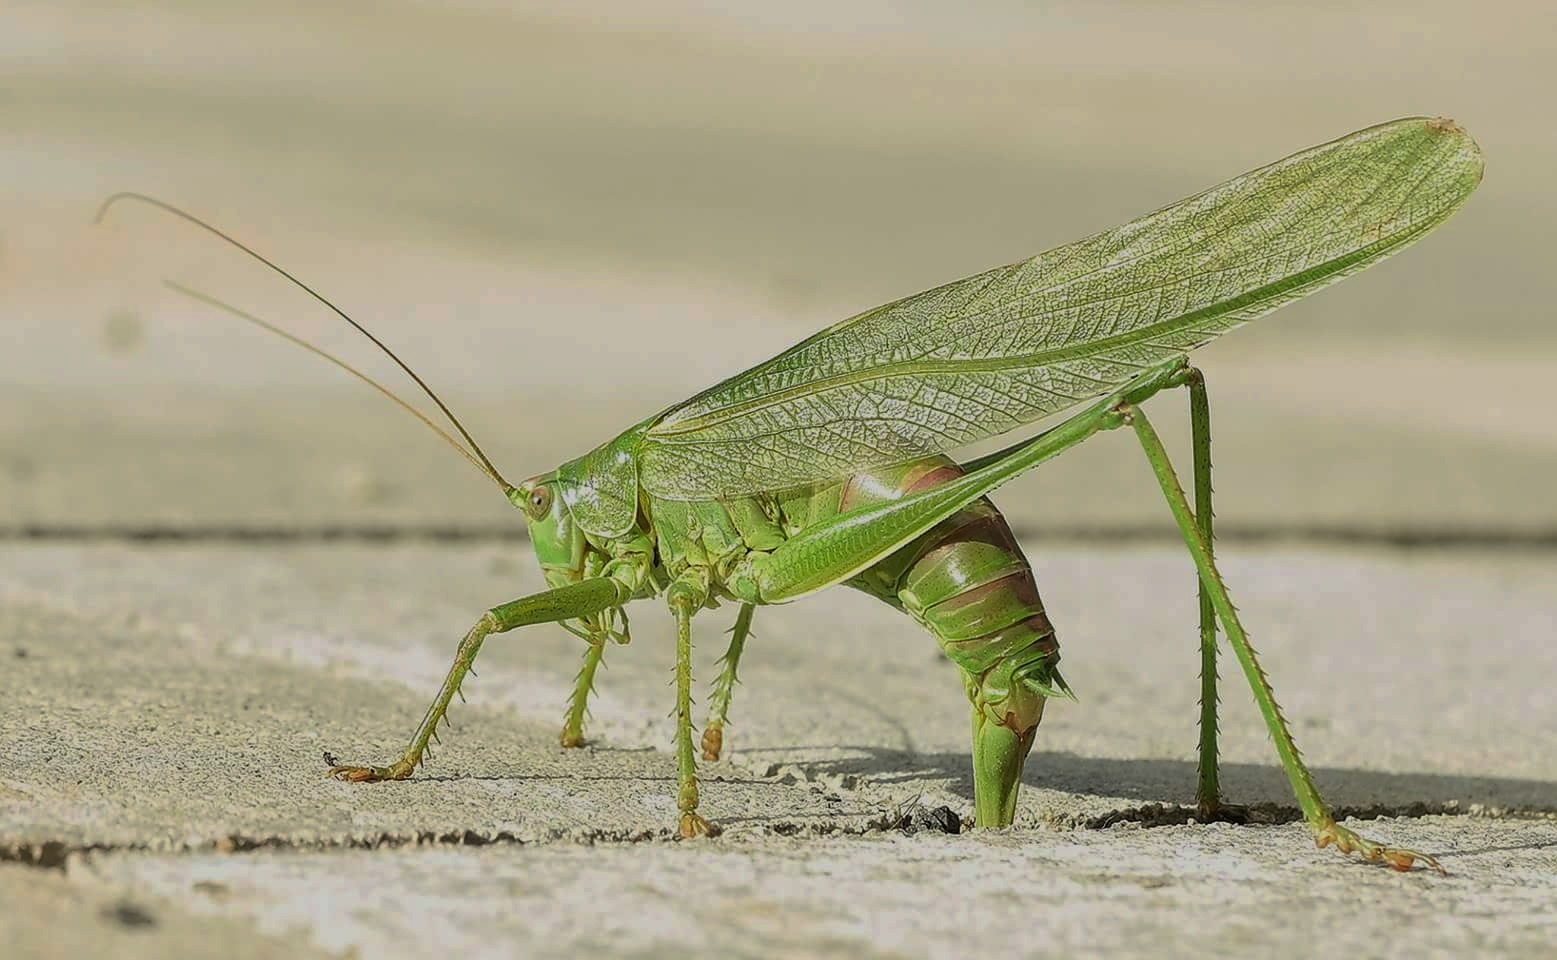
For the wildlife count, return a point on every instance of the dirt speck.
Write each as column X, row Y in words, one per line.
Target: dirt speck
column 18, row 468
column 123, row 332
column 127, row 913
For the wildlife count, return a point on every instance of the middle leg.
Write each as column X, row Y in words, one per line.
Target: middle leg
column 686, row 596
column 724, row 684
column 583, row 686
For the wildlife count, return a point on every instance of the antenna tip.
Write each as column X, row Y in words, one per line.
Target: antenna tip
column 102, row 210
column 113, row 198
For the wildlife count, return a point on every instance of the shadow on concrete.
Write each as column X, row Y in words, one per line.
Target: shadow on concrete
column 1153, row 783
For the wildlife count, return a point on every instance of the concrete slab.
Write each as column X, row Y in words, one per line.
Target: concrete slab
column 179, row 698
column 565, row 251
column 44, row 915
column 158, row 701
column 133, row 666
column 157, row 745
column 1165, row 893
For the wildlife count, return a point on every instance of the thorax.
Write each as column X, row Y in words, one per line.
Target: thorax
column 712, row 534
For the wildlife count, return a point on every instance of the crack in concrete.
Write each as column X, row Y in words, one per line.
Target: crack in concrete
column 907, row 819
column 1267, row 814
column 55, row 854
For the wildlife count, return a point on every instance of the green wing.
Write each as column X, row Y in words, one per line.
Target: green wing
column 998, row 350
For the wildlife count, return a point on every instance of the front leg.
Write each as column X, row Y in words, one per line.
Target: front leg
column 686, row 596
column 583, row 599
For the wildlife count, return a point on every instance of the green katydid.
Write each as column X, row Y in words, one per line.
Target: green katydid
column 827, row 464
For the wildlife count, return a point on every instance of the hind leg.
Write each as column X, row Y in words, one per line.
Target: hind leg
column 1315, row 810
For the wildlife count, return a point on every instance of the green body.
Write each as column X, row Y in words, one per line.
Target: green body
column 826, row 465
column 965, row 580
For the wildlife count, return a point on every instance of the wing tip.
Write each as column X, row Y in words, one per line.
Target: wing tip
column 1464, row 144
column 1442, row 124
column 1445, row 139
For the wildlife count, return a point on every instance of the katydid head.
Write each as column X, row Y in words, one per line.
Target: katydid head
column 560, row 546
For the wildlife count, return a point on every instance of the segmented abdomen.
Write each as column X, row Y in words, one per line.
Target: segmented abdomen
column 969, row 584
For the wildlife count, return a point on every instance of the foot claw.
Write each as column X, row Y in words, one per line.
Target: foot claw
column 399, row 771
column 693, row 826
column 572, row 738
column 1349, row 841
column 713, row 742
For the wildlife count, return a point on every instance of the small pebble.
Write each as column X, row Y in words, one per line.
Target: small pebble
column 129, row 914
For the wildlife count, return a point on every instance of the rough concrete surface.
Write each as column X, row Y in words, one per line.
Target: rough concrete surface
column 568, row 216
column 165, row 711
column 51, row 915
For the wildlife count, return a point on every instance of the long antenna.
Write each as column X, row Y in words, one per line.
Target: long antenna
column 318, row 351
column 485, row 464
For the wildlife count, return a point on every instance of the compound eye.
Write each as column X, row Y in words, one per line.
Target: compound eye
column 539, row 502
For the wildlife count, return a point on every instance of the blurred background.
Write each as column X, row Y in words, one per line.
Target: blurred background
column 567, row 216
